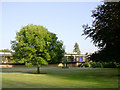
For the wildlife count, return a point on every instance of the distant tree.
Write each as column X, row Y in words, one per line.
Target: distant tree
column 86, row 53
column 105, row 31
column 32, row 46
column 76, row 48
column 5, row 50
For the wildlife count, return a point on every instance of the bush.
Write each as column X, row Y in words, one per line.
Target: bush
column 118, row 65
column 93, row 64
column 110, row 65
column 87, row 64
column 99, row 64
column 104, row 64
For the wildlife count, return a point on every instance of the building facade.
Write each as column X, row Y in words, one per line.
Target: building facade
column 5, row 57
column 72, row 59
column 75, row 57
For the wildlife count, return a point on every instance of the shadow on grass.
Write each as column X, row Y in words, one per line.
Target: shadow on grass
column 100, row 76
column 74, row 74
column 24, row 72
column 36, row 73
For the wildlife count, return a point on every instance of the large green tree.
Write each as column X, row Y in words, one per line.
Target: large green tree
column 56, row 50
column 76, row 48
column 32, row 46
column 105, row 31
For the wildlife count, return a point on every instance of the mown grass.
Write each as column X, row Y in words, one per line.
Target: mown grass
column 56, row 77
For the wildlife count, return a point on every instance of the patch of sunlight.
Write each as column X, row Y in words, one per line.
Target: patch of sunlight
column 35, row 74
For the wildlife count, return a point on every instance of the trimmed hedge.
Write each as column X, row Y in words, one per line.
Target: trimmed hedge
column 110, row 65
column 102, row 64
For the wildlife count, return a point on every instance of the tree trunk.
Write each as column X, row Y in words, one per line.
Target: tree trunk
column 38, row 70
column 66, row 64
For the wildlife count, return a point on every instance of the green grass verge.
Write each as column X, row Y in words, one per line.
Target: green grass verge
column 56, row 77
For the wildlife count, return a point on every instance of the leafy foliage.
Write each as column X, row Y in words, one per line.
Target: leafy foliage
column 87, row 64
column 76, row 48
column 105, row 31
column 35, row 45
column 101, row 64
column 56, row 49
column 31, row 45
column 110, row 64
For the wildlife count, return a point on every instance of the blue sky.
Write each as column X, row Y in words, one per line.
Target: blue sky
column 62, row 18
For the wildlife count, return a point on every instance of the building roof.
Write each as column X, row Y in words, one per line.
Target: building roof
column 5, row 54
column 75, row 55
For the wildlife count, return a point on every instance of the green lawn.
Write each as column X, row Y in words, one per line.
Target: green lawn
column 56, row 77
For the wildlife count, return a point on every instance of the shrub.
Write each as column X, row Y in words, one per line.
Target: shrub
column 93, row 64
column 99, row 64
column 110, row 65
column 118, row 65
column 87, row 64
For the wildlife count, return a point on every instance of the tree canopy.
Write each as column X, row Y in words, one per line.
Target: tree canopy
column 33, row 46
column 105, row 31
column 56, row 50
column 76, row 48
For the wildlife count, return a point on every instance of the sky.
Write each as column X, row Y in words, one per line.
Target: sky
column 62, row 18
